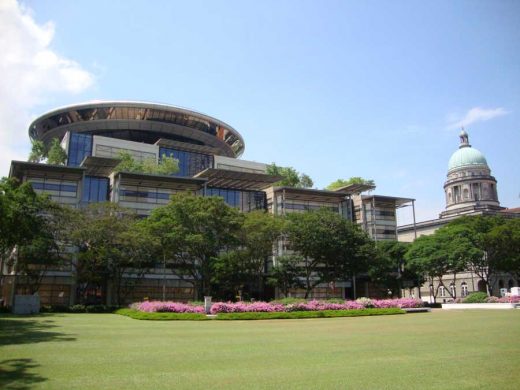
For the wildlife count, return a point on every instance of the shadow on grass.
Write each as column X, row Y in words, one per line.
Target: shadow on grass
column 15, row 374
column 26, row 330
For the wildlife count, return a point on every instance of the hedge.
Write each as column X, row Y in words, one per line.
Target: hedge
column 161, row 316
column 308, row 314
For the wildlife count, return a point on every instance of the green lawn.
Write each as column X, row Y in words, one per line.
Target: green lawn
column 448, row 350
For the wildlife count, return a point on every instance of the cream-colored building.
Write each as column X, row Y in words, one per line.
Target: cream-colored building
column 470, row 189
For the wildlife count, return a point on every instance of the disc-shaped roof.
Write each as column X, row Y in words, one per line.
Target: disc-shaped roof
column 140, row 121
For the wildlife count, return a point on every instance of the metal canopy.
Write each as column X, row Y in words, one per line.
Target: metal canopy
column 223, row 178
column 310, row 194
column 399, row 202
column 356, row 188
column 19, row 168
column 100, row 166
column 174, row 182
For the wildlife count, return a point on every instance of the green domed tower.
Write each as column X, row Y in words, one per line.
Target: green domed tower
column 469, row 186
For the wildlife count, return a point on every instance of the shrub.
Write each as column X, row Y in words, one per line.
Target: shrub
column 78, row 309
column 365, row 302
column 476, row 297
column 161, row 316
column 100, row 309
column 307, row 314
column 167, row 307
column 492, row 299
column 288, row 301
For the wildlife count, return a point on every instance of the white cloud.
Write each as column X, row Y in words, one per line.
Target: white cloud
column 476, row 114
column 31, row 72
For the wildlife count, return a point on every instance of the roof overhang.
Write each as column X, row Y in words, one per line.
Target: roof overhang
column 310, row 193
column 99, row 166
column 398, row 201
column 19, row 168
column 223, row 178
column 355, row 188
column 176, row 182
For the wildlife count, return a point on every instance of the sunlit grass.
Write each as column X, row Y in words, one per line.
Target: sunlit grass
column 449, row 350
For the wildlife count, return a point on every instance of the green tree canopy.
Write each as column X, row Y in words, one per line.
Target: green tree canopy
column 112, row 243
column 166, row 166
column 52, row 154
column 244, row 267
column 291, row 177
column 194, row 231
column 331, row 247
column 389, row 270
column 353, row 180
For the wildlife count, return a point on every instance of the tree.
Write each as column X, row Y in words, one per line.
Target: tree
column 353, row 180
column 387, row 269
column 193, row 232
column 448, row 251
column 166, row 166
column 38, row 151
column 22, row 219
column 244, row 267
column 290, row 177
column 56, row 155
column 53, row 154
column 484, row 235
column 331, row 247
column 285, row 274
column 112, row 245
column 504, row 241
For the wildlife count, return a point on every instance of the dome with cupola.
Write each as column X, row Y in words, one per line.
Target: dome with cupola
column 469, row 186
column 466, row 156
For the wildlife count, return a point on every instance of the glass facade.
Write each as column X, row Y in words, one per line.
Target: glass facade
column 60, row 190
column 190, row 163
column 80, row 146
column 244, row 200
column 95, row 189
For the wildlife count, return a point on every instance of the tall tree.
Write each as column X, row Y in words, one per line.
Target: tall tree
column 331, row 247
column 481, row 232
column 245, row 266
column 21, row 219
column 388, row 269
column 290, row 177
column 193, row 232
column 56, row 155
column 111, row 246
column 285, row 274
column 38, row 151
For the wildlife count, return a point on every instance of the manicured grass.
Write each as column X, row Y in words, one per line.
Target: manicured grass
column 442, row 349
column 308, row 314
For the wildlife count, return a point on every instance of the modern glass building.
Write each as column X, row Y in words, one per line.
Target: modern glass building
column 94, row 134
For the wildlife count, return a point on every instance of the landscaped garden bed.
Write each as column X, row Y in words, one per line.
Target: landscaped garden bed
column 480, row 300
column 284, row 309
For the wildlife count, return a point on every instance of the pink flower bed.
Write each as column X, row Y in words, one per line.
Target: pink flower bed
column 172, row 307
column 512, row 299
column 244, row 307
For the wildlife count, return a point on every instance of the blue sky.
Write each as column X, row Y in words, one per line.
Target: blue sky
column 333, row 88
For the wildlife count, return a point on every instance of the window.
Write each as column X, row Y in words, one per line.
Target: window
column 453, row 290
column 442, row 291
column 95, row 189
column 190, row 163
column 80, row 146
column 464, row 289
